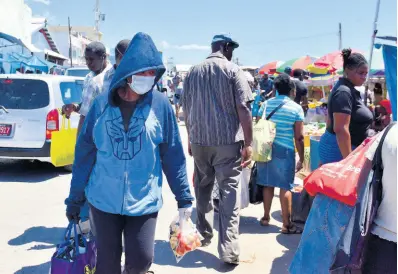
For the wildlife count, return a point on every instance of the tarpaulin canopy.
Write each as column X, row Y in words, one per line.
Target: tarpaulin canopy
column 12, row 39
column 326, row 80
column 297, row 63
column 390, row 64
column 32, row 62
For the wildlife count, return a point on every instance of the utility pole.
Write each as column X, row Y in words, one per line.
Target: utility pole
column 70, row 42
column 98, row 18
column 340, row 38
column 372, row 46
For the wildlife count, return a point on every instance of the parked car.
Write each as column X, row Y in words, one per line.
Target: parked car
column 77, row 71
column 30, row 110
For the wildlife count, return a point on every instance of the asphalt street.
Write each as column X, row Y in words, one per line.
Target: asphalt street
column 33, row 221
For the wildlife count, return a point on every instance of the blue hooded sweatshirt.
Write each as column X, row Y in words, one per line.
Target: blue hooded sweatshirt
column 119, row 171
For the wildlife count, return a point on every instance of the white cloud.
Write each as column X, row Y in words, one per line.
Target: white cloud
column 50, row 18
column 45, row 2
column 166, row 45
column 193, row 47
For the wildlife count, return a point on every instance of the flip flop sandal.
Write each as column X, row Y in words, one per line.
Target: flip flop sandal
column 292, row 229
column 264, row 222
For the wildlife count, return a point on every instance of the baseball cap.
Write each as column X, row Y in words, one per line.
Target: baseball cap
column 288, row 70
column 226, row 38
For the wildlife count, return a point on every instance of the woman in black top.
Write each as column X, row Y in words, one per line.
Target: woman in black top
column 349, row 120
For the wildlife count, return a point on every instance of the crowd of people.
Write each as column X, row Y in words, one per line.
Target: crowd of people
column 129, row 134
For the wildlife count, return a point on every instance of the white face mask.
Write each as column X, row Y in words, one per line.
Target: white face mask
column 142, row 84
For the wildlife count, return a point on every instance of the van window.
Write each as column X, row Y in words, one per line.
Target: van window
column 71, row 92
column 24, row 94
column 77, row 72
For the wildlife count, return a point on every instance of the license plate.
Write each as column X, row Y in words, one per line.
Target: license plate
column 5, row 130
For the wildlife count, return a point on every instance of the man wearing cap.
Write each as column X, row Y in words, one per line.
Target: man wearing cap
column 216, row 102
column 266, row 84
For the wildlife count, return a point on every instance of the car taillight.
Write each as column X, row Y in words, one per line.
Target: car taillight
column 52, row 123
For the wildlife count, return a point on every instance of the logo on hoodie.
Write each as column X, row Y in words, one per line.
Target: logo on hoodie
column 126, row 145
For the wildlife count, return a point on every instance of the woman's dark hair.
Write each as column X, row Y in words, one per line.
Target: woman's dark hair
column 283, row 84
column 352, row 60
column 378, row 89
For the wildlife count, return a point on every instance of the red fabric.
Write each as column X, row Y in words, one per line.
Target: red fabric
column 387, row 105
column 341, row 180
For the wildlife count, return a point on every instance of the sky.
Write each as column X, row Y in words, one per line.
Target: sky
column 266, row 30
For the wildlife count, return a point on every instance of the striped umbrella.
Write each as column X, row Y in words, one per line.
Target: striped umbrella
column 377, row 69
column 297, row 63
column 331, row 62
column 270, row 68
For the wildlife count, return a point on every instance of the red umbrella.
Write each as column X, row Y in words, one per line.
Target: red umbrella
column 333, row 60
column 297, row 63
column 270, row 68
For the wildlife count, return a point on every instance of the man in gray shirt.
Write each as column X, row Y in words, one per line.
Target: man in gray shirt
column 216, row 102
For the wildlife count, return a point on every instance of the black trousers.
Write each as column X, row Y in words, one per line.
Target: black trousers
column 139, row 238
column 380, row 257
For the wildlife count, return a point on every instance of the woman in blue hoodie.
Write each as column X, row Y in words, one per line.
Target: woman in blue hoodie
column 129, row 137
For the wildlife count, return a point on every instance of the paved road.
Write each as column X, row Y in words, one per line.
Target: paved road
column 33, row 221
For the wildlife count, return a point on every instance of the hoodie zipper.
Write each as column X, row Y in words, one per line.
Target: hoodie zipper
column 125, row 164
column 124, row 190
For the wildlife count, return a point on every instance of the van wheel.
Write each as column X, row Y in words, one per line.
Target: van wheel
column 68, row 168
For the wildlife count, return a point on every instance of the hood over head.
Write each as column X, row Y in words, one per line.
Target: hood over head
column 141, row 55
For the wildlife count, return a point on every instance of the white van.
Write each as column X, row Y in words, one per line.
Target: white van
column 77, row 71
column 30, row 110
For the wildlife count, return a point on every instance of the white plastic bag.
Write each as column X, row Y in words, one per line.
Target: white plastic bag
column 244, row 188
column 183, row 237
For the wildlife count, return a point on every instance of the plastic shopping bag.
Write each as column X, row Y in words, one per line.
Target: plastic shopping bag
column 76, row 255
column 264, row 132
column 63, row 144
column 342, row 180
column 183, row 237
column 244, row 187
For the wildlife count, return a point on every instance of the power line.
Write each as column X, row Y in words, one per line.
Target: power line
column 300, row 38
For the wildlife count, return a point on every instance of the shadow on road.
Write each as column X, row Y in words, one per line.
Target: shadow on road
column 281, row 265
column 251, row 225
column 27, row 172
column 35, row 269
column 196, row 259
column 277, row 215
column 49, row 236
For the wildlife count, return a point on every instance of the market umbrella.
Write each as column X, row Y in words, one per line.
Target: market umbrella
column 270, row 68
column 377, row 69
column 297, row 63
column 330, row 62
